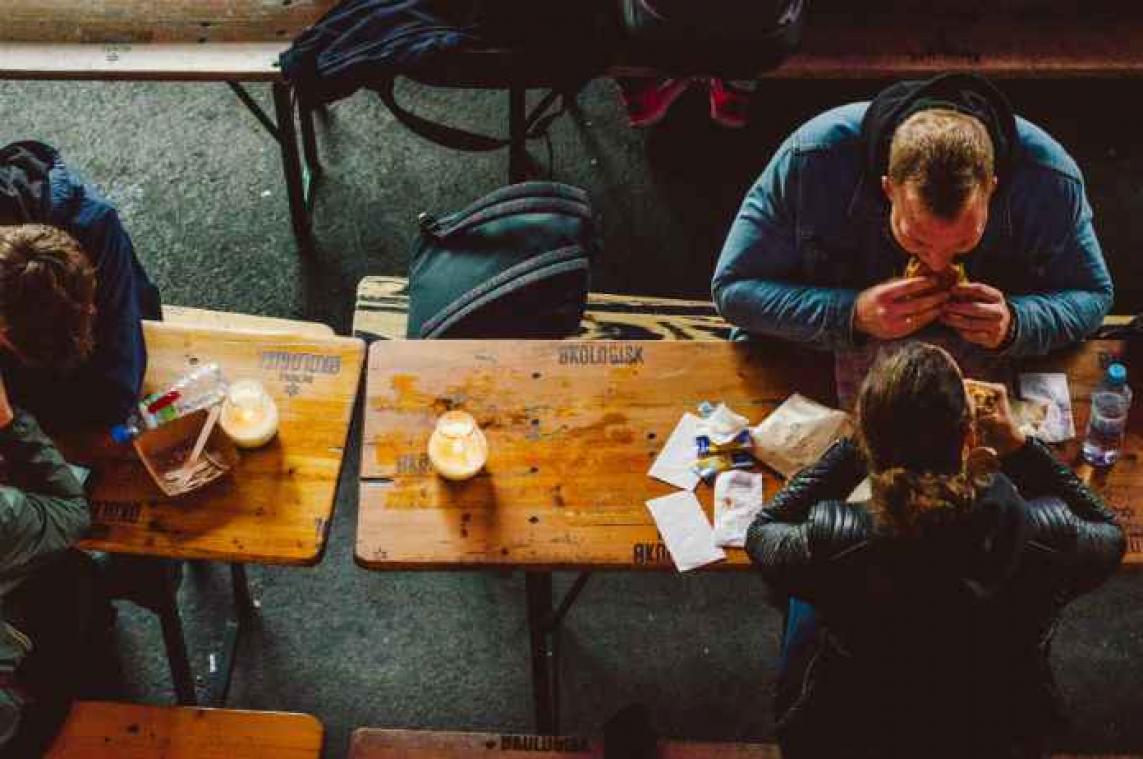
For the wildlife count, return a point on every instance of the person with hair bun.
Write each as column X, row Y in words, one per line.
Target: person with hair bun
column 72, row 295
column 919, row 621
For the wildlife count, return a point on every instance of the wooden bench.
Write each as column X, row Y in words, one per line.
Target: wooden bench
column 232, row 41
column 102, row 730
column 423, row 744
column 382, row 310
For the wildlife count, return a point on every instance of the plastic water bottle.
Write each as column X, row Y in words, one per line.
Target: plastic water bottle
column 1105, row 427
column 201, row 388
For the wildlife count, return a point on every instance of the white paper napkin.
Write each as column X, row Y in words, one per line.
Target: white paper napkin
column 738, row 497
column 673, row 464
column 682, row 523
column 1052, row 388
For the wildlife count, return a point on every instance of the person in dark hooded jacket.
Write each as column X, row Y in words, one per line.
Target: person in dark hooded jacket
column 71, row 300
column 919, row 622
column 940, row 171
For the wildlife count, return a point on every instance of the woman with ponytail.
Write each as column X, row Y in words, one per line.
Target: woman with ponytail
column 919, row 622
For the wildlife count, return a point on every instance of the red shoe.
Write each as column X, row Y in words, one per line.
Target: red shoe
column 729, row 106
column 647, row 99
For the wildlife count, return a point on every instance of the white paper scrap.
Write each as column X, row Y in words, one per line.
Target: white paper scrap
column 1051, row 387
column 863, row 492
column 723, row 424
column 673, row 464
column 682, row 523
column 738, row 497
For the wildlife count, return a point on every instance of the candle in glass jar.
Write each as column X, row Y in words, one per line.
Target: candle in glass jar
column 457, row 447
column 249, row 414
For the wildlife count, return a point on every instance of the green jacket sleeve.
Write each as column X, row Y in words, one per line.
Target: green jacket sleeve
column 43, row 510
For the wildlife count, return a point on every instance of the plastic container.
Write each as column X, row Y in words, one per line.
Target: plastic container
column 201, row 388
column 1110, row 404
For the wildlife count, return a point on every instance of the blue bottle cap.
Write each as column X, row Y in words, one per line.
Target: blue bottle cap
column 1117, row 375
column 122, row 433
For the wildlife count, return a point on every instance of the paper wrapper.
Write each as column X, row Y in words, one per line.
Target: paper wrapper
column 1050, row 388
column 797, row 433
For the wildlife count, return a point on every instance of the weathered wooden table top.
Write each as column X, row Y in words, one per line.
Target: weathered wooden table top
column 276, row 507
column 101, row 730
column 572, row 429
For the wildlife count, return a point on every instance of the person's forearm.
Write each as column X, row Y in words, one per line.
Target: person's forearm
column 1052, row 320
column 1036, row 472
column 33, row 461
column 817, row 315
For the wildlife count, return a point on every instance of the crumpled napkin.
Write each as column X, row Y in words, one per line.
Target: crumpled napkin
column 797, row 433
column 1050, row 388
column 738, row 497
column 722, row 424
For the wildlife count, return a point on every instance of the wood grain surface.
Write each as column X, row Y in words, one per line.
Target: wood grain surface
column 423, row 744
column 572, row 429
column 101, row 730
column 276, row 507
column 150, row 21
column 935, row 38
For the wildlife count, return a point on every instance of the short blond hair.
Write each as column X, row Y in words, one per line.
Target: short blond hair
column 945, row 154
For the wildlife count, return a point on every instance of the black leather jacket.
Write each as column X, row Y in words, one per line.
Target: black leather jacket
column 937, row 644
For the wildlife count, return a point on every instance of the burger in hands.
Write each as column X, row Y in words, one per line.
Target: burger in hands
column 946, row 279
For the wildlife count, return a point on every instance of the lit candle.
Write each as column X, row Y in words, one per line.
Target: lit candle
column 457, row 447
column 249, row 414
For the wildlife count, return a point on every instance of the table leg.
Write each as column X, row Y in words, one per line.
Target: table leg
column 221, row 663
column 291, row 163
column 545, row 677
column 176, row 644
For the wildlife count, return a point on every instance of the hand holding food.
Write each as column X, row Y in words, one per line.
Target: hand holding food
column 898, row 308
column 979, row 313
column 992, row 416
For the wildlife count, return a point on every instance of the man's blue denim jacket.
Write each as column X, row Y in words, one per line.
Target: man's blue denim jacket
column 814, row 231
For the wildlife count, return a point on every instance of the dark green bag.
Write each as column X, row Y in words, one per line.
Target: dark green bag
column 515, row 264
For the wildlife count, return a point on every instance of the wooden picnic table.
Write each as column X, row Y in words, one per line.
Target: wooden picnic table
column 572, row 429
column 275, row 508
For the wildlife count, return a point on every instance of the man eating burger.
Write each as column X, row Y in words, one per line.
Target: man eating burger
column 932, row 208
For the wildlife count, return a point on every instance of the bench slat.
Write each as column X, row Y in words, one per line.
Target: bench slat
column 424, row 744
column 157, row 21
column 880, row 45
column 249, row 61
column 102, row 730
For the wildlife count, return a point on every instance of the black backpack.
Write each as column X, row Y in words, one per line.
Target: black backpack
column 514, row 264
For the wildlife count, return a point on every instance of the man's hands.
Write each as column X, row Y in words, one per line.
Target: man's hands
column 898, row 308
column 5, row 407
column 891, row 310
column 979, row 313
